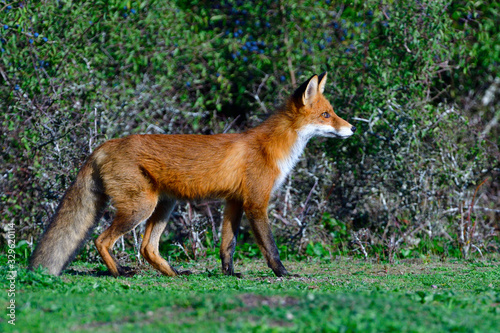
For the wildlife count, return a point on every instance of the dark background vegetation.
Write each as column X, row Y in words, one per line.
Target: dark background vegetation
column 420, row 79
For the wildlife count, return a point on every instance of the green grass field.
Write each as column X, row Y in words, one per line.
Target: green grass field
column 329, row 296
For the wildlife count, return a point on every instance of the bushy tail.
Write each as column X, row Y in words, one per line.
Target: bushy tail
column 78, row 212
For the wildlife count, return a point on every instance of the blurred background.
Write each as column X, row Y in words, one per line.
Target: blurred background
column 419, row 79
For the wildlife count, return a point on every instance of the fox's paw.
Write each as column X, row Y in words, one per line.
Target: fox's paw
column 232, row 273
column 290, row 275
column 285, row 274
column 238, row 275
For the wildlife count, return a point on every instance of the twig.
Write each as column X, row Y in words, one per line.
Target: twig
column 478, row 250
column 470, row 210
column 408, row 233
column 304, row 211
column 227, row 127
column 287, row 195
column 358, row 241
column 183, row 249
column 5, row 76
column 93, row 135
column 360, row 119
column 492, row 124
column 214, row 231
column 136, row 245
column 385, row 14
column 486, row 209
column 281, row 218
column 256, row 95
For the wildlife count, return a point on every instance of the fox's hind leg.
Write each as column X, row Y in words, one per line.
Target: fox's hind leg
column 154, row 228
column 230, row 226
column 129, row 214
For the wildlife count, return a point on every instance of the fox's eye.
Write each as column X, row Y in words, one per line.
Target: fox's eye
column 326, row 114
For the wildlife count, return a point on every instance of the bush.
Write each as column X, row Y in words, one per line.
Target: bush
column 411, row 75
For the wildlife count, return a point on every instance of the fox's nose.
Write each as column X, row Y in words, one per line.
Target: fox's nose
column 353, row 129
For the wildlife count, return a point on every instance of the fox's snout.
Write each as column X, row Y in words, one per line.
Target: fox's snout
column 341, row 128
column 345, row 131
column 352, row 129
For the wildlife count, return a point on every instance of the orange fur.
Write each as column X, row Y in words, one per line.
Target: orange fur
column 143, row 175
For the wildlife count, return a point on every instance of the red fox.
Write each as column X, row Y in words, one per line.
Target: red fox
column 143, row 175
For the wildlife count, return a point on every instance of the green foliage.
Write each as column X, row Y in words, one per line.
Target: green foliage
column 328, row 295
column 316, row 250
column 406, row 73
column 22, row 253
column 479, row 22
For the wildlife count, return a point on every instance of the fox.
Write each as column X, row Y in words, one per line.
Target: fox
column 143, row 176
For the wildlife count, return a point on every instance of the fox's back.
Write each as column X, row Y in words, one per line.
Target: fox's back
column 180, row 165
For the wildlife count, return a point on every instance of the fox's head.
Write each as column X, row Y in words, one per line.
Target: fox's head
column 315, row 115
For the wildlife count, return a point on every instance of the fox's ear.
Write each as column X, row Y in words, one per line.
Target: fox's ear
column 322, row 82
column 307, row 91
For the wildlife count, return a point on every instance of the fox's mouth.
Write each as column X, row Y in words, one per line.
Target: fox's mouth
column 344, row 133
column 327, row 131
column 337, row 136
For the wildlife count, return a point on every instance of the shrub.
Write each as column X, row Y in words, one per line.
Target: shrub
column 77, row 74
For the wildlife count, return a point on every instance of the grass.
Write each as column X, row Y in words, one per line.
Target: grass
column 329, row 296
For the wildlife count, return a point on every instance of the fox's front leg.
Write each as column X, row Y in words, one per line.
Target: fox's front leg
column 230, row 226
column 261, row 228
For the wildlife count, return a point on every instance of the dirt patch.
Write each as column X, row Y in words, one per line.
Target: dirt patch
column 252, row 300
